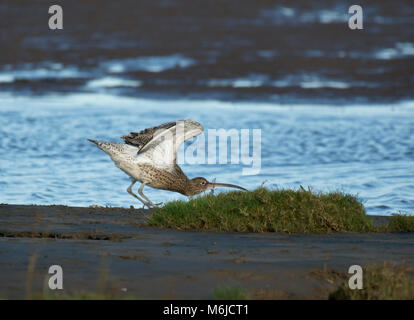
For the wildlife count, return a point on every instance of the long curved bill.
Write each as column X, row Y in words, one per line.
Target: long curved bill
column 214, row 184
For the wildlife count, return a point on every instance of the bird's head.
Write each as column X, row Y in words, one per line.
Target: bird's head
column 200, row 184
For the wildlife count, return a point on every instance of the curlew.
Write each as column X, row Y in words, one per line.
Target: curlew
column 150, row 157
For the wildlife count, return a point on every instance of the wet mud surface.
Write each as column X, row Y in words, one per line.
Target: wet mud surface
column 230, row 50
column 112, row 250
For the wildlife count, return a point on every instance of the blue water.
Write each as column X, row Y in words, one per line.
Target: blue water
column 335, row 106
column 363, row 150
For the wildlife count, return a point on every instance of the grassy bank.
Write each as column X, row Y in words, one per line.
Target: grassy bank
column 264, row 210
column 400, row 223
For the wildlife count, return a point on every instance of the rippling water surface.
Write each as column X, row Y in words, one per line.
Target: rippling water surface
column 335, row 107
column 363, row 150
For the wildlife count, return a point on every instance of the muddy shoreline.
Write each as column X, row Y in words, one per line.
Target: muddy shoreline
column 249, row 51
column 111, row 250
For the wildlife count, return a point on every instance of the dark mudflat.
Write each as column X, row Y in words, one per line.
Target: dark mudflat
column 227, row 40
column 112, row 249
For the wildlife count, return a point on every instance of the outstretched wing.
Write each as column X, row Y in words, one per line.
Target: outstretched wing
column 160, row 144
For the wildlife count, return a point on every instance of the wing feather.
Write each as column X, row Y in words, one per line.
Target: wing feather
column 161, row 143
column 142, row 138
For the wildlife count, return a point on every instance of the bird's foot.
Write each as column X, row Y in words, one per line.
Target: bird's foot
column 151, row 205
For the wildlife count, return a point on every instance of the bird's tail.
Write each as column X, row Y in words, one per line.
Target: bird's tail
column 94, row 141
column 108, row 147
column 101, row 144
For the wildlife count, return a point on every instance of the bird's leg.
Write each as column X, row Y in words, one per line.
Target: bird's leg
column 129, row 190
column 146, row 198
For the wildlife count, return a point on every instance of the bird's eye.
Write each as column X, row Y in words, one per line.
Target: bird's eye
column 203, row 183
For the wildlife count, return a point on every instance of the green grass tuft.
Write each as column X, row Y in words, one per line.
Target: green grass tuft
column 264, row 210
column 380, row 283
column 230, row 293
column 400, row 223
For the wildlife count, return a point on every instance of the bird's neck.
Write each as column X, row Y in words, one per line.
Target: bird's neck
column 182, row 184
column 189, row 188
